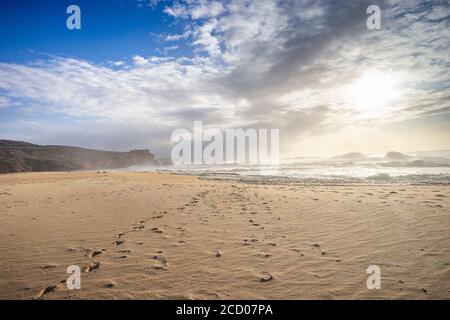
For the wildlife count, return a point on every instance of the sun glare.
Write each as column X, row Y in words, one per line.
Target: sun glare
column 373, row 93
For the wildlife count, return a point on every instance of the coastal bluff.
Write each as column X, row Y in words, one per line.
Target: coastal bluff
column 18, row 156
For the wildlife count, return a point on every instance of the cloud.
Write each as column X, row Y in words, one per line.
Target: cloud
column 5, row 102
column 176, row 37
column 195, row 9
column 148, row 3
column 261, row 63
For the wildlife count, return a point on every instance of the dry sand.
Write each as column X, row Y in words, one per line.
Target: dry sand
column 162, row 236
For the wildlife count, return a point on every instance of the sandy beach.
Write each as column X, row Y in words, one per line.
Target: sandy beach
column 164, row 236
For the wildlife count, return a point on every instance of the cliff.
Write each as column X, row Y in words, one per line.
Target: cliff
column 16, row 156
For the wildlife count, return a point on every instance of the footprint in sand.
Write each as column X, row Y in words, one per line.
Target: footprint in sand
column 298, row 251
column 92, row 266
column 109, row 285
column 156, row 230
column 46, row 290
column 50, row 266
column 266, row 277
column 94, row 253
column 161, row 262
column 118, row 242
column 317, row 246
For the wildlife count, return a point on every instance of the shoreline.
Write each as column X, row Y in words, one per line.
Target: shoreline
column 271, row 180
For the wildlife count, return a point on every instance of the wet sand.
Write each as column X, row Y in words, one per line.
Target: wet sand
column 162, row 236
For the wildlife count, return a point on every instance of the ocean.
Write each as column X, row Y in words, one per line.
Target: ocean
column 416, row 168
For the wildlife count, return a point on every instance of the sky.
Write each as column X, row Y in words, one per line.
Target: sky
column 139, row 69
